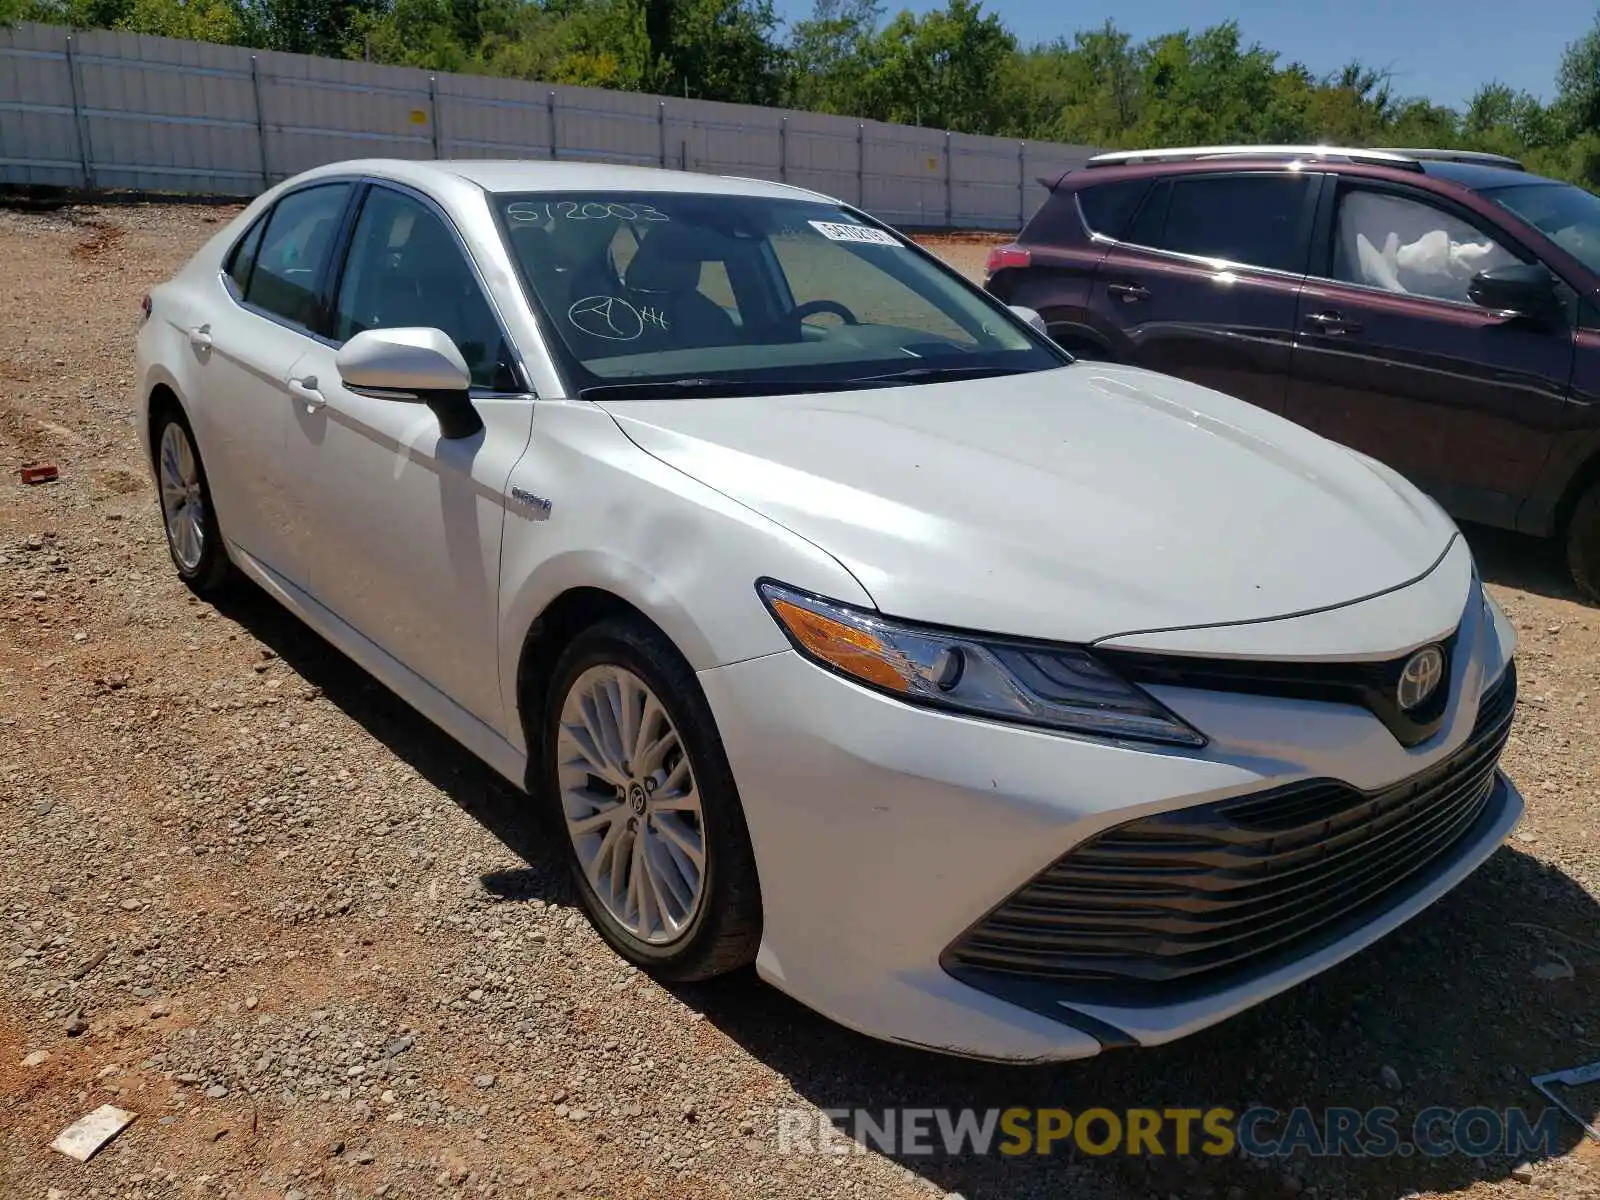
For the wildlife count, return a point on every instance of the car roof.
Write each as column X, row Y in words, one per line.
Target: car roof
column 1480, row 177
column 535, row 175
column 1470, row 175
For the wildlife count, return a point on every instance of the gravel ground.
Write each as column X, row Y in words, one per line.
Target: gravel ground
column 252, row 897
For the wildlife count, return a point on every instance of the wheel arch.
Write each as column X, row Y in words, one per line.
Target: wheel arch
column 1075, row 336
column 566, row 616
column 161, row 397
column 1587, row 474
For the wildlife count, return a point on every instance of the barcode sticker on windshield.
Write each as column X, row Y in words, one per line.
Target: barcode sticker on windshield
column 836, row 231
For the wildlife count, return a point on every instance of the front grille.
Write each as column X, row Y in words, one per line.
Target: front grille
column 1177, row 900
column 1369, row 685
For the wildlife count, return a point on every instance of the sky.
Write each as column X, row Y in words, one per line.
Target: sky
column 1441, row 49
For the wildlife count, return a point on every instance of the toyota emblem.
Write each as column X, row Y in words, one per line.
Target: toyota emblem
column 1420, row 677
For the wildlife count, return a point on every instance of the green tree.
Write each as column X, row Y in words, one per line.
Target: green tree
column 1207, row 88
column 196, row 20
column 830, row 56
column 709, row 49
column 328, row 27
column 939, row 69
column 1578, row 84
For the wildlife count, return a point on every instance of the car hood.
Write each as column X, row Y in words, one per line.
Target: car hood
column 1073, row 504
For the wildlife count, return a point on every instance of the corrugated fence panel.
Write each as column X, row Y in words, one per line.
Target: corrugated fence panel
column 321, row 110
column 737, row 139
column 109, row 109
column 38, row 133
column 986, row 182
column 906, row 181
column 163, row 114
column 825, row 154
column 492, row 118
column 593, row 125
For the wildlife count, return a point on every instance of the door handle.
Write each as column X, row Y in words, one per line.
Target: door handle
column 1332, row 324
column 1129, row 293
column 200, row 337
column 305, row 389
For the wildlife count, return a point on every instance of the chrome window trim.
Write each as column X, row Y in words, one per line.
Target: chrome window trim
column 1216, row 264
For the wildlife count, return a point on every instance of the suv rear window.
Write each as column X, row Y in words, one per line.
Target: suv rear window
column 1256, row 220
column 1108, row 207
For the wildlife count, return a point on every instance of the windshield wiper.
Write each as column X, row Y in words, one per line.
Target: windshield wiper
column 932, row 374
column 672, row 389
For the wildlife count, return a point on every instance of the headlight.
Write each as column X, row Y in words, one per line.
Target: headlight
column 1059, row 687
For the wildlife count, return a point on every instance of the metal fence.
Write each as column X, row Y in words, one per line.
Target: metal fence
column 103, row 109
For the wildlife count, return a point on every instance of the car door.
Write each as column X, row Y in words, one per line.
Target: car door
column 407, row 546
column 1205, row 282
column 1393, row 358
column 246, row 348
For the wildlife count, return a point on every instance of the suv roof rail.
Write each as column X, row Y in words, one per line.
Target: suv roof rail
column 1481, row 157
column 1405, row 160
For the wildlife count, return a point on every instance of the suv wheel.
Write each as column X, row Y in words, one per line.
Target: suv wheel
column 1084, row 351
column 1583, row 543
column 656, row 837
column 193, row 536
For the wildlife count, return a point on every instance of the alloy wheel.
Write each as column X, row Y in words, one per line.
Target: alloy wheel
column 631, row 804
column 183, row 500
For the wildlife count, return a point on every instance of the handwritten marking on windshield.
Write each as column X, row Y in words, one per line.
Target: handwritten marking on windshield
column 528, row 212
column 612, row 318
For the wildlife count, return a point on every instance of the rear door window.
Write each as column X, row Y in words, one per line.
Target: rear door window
column 288, row 267
column 1257, row 220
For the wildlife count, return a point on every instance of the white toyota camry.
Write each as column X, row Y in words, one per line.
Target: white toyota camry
column 837, row 620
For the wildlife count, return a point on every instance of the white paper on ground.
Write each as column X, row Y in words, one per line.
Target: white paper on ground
column 85, row 1137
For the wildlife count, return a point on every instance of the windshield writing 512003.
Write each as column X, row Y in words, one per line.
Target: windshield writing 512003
column 569, row 210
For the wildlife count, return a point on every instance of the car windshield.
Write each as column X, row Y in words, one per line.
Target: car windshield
column 1567, row 215
column 667, row 292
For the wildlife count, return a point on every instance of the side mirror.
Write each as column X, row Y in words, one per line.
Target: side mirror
column 1527, row 289
column 415, row 366
column 1031, row 316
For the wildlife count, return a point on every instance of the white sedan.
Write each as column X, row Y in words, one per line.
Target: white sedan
column 836, row 619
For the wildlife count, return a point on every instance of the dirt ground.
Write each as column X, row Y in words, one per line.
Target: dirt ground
column 252, row 897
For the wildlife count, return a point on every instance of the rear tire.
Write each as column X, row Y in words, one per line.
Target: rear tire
column 640, row 788
column 1583, row 543
column 194, row 538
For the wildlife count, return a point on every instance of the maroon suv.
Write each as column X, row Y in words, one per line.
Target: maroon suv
column 1439, row 311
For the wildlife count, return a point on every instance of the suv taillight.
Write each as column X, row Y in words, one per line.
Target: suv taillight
column 1002, row 257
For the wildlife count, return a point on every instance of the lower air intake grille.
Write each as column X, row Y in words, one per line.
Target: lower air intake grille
column 1180, row 898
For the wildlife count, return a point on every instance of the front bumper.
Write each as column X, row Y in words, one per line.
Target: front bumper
column 882, row 832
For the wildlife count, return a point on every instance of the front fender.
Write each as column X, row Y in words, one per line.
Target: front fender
column 624, row 522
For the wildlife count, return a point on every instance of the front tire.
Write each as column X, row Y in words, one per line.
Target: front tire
column 640, row 784
column 1583, row 543
column 193, row 537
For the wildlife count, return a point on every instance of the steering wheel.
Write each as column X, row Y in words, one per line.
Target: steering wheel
column 812, row 307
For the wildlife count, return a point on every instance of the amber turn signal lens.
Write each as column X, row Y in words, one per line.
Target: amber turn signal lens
column 853, row 651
